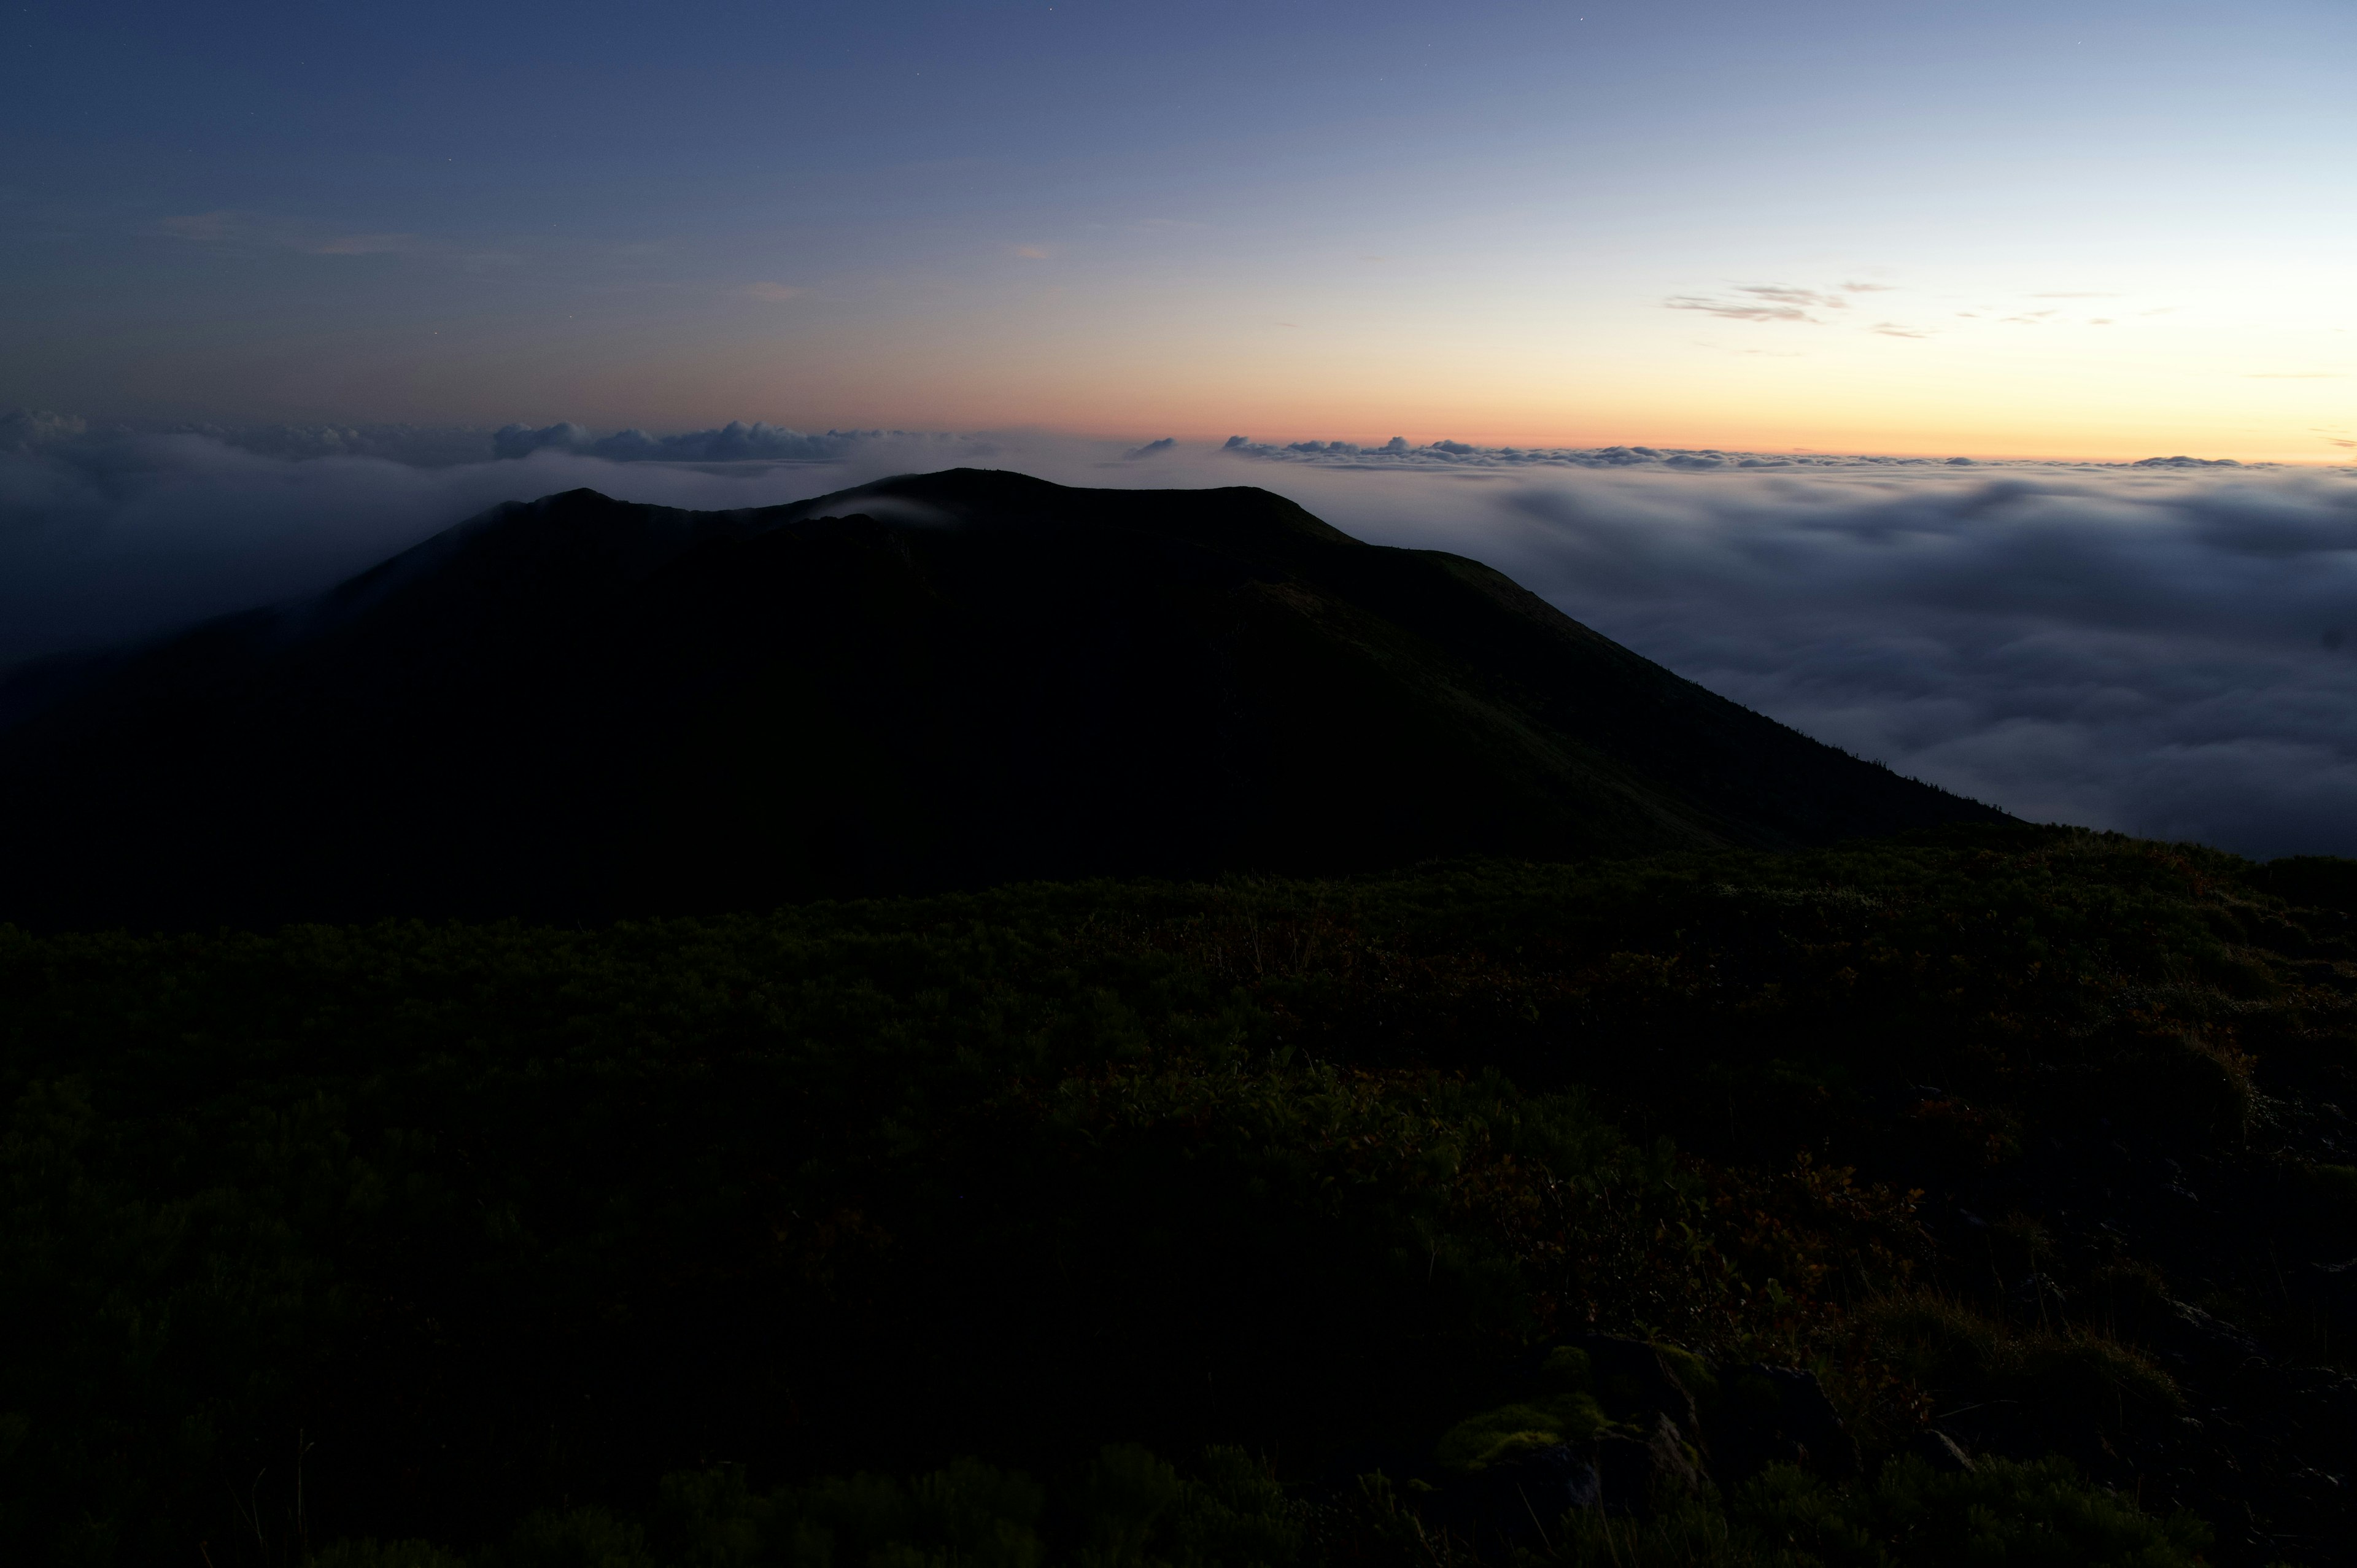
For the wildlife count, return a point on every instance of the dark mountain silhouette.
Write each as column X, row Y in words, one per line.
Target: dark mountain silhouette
column 580, row 707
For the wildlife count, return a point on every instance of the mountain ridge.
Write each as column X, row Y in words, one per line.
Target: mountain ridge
column 578, row 707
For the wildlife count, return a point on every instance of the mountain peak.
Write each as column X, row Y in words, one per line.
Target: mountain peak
column 579, row 706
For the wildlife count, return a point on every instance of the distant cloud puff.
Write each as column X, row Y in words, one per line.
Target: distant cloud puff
column 27, row 430
column 523, row 440
column 735, row 441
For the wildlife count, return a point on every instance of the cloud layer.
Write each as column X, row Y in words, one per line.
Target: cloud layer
column 2166, row 652
column 2168, row 648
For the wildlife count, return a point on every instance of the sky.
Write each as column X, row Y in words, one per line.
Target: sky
column 2071, row 229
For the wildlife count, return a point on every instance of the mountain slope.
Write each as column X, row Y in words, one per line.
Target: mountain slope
column 580, row 707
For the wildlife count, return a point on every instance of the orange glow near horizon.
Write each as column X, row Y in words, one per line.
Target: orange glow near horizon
column 2209, row 364
column 1918, row 375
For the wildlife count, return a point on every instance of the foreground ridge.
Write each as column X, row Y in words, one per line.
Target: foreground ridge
column 1982, row 1197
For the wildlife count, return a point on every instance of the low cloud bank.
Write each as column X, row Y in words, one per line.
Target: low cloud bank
column 1459, row 455
column 2168, row 648
column 2169, row 653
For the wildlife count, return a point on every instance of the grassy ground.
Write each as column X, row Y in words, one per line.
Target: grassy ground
column 615, row 1245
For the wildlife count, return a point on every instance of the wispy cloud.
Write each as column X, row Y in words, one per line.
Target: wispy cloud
column 1773, row 302
column 1893, row 330
column 1736, row 310
column 1032, row 252
column 1760, row 303
column 362, row 245
column 202, row 227
column 225, row 229
column 257, row 233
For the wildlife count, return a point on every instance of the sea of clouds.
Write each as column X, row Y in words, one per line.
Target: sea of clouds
column 2167, row 647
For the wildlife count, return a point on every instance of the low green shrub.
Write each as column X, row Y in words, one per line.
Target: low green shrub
column 2031, row 1384
column 385, row 1555
column 2040, row 1515
column 1127, row 1508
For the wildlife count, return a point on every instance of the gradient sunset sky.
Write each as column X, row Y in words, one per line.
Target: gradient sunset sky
column 2104, row 229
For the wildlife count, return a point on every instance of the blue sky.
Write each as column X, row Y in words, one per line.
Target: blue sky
column 2095, row 230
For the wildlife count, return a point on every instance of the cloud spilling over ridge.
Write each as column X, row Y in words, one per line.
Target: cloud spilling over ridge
column 2167, row 647
column 2166, row 652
